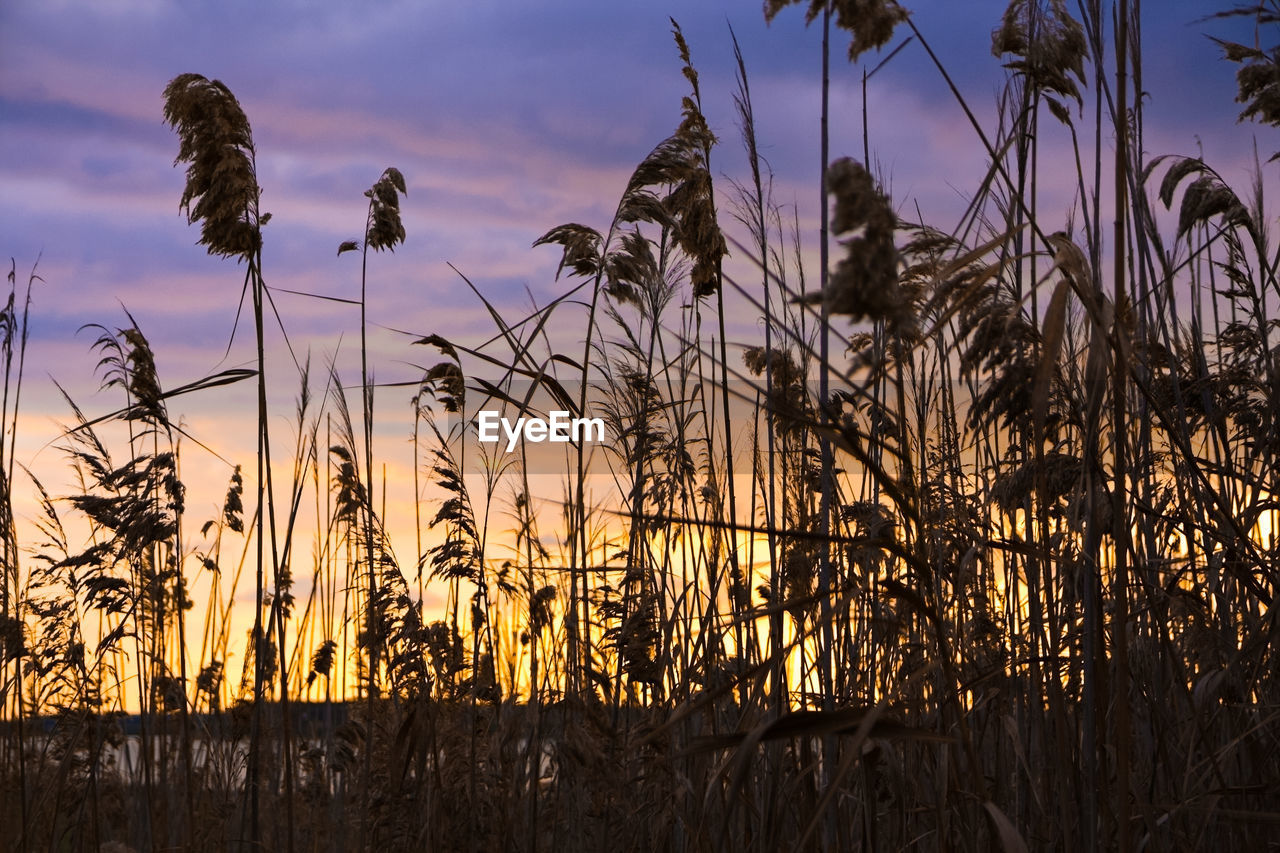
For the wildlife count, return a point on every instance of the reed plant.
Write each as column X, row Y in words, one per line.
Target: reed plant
column 972, row 548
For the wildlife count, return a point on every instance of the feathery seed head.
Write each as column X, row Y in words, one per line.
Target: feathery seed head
column 872, row 22
column 865, row 282
column 215, row 140
column 581, row 247
column 385, row 229
column 1258, row 80
column 1049, row 45
column 233, row 504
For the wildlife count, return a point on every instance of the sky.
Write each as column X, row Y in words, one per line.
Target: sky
column 507, row 117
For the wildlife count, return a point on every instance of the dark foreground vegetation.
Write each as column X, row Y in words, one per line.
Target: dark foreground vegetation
column 973, row 549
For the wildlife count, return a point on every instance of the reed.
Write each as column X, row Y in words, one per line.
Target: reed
column 972, row 548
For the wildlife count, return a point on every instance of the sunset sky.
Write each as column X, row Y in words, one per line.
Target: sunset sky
column 506, row 117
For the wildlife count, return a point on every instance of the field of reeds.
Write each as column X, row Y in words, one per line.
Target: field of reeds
column 972, row 548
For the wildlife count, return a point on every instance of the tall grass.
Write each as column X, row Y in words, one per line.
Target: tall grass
column 972, row 549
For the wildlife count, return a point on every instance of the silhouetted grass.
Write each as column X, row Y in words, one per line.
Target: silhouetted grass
column 973, row 549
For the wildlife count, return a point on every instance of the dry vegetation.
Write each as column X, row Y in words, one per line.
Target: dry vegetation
column 995, row 574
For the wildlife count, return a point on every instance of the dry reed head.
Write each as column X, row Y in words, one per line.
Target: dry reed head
column 671, row 188
column 582, row 245
column 1205, row 197
column 233, row 504
column 1050, row 47
column 864, row 284
column 385, row 229
column 788, row 400
column 216, row 142
column 127, row 362
column 678, row 165
column 144, row 384
column 872, row 22
column 633, row 270
column 691, row 203
column 1258, row 79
